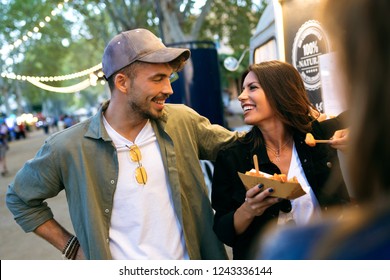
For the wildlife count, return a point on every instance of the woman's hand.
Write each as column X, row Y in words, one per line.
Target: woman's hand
column 257, row 200
column 340, row 140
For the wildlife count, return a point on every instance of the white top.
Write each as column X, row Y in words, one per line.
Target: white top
column 305, row 207
column 143, row 222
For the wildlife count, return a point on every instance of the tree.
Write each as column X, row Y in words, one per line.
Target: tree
column 74, row 39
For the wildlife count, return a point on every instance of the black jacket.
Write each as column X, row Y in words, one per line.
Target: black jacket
column 228, row 192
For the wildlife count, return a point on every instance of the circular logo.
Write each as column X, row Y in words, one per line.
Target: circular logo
column 309, row 43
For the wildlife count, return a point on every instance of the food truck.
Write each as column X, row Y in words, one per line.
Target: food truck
column 290, row 30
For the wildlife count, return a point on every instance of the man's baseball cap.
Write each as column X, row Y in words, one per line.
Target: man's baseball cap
column 139, row 45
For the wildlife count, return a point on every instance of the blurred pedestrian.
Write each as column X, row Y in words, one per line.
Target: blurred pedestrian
column 4, row 135
column 68, row 121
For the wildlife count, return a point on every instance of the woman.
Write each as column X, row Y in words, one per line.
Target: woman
column 361, row 32
column 275, row 102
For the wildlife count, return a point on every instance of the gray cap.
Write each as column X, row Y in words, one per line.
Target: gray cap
column 138, row 45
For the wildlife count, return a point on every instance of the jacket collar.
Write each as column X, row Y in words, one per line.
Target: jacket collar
column 96, row 128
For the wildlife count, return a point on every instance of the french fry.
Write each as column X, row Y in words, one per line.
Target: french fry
column 254, row 173
column 287, row 189
column 276, row 177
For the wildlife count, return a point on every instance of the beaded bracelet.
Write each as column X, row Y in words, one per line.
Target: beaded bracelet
column 70, row 250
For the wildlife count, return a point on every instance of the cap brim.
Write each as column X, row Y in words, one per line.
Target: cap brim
column 166, row 55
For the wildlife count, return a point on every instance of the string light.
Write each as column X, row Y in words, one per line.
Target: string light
column 91, row 81
column 30, row 34
column 86, row 72
column 38, row 81
column 70, row 89
column 95, row 74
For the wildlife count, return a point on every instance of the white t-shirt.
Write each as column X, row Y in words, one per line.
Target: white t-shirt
column 305, row 207
column 143, row 221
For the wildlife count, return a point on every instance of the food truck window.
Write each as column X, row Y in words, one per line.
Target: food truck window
column 267, row 51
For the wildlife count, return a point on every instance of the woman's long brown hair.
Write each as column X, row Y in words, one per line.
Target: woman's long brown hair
column 286, row 94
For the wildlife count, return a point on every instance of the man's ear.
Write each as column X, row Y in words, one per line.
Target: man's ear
column 121, row 82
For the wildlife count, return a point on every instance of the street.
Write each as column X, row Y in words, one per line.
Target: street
column 15, row 244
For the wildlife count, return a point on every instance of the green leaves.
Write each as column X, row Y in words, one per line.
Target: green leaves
column 74, row 39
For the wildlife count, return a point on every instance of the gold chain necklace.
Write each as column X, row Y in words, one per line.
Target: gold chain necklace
column 277, row 152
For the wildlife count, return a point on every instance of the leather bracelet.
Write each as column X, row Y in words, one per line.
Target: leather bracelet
column 71, row 248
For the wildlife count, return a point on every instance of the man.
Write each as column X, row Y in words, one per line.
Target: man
column 131, row 173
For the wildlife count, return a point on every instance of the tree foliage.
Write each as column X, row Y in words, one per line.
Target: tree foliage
column 74, row 39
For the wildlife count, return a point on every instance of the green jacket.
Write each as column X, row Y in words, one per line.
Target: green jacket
column 82, row 160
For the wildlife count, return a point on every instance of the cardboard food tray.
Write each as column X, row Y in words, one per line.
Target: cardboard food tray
column 285, row 190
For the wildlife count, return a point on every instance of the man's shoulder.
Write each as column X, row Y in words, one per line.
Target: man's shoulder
column 178, row 109
column 180, row 113
column 237, row 147
column 71, row 135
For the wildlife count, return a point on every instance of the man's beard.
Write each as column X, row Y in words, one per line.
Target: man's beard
column 145, row 114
